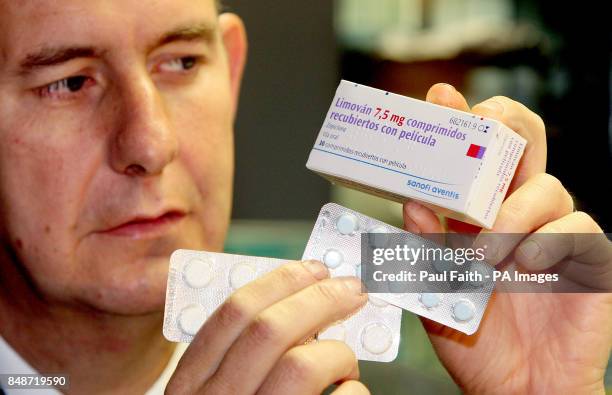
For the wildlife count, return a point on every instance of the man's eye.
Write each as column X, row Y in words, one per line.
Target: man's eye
column 65, row 87
column 180, row 64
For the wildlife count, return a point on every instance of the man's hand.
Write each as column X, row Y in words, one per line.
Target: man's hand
column 530, row 343
column 255, row 341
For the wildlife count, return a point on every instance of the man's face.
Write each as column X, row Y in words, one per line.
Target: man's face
column 116, row 144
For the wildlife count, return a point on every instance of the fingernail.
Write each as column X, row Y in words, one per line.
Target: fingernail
column 353, row 284
column 492, row 106
column 413, row 206
column 318, row 269
column 449, row 86
column 530, row 250
column 409, row 223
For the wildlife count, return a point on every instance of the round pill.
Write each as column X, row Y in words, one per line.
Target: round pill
column 463, row 310
column 191, row 319
column 429, row 300
column 376, row 338
column 377, row 301
column 198, row 273
column 241, row 274
column 347, row 224
column 332, row 258
column 377, row 236
column 337, row 332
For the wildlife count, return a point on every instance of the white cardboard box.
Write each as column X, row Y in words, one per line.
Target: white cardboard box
column 401, row 148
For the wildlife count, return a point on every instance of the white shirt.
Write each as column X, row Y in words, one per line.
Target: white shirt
column 13, row 363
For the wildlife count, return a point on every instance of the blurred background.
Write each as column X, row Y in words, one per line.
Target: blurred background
column 552, row 57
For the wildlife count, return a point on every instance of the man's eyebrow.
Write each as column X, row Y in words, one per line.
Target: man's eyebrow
column 203, row 31
column 51, row 56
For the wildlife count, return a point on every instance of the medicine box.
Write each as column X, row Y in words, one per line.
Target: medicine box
column 400, row 148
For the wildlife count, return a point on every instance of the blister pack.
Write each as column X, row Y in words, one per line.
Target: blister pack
column 200, row 281
column 336, row 241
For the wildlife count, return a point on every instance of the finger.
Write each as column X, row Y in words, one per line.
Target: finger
column 559, row 239
column 309, row 369
column 280, row 327
column 446, row 95
column 420, row 219
column 540, row 200
column 578, row 237
column 527, row 124
column 351, row 387
column 221, row 330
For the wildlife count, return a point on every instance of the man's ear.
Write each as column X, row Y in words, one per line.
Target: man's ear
column 234, row 38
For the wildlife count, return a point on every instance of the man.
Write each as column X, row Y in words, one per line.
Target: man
column 116, row 148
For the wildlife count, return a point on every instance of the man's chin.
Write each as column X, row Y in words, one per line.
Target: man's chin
column 125, row 302
column 130, row 290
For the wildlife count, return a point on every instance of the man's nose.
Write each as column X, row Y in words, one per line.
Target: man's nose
column 144, row 142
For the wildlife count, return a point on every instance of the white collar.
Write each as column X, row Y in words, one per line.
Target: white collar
column 12, row 363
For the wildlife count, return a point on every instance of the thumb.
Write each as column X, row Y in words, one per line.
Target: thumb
column 446, row 95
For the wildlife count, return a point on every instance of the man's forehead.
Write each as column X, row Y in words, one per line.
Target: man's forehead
column 34, row 24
